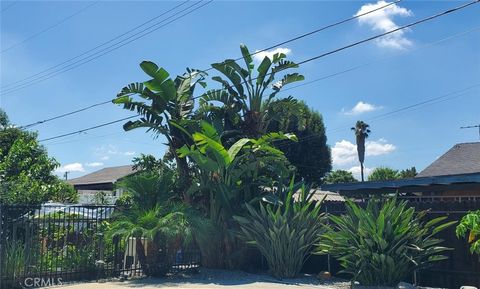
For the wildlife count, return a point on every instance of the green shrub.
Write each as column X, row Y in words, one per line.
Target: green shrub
column 470, row 223
column 284, row 230
column 384, row 243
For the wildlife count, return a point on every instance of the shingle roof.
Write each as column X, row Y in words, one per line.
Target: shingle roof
column 463, row 158
column 105, row 175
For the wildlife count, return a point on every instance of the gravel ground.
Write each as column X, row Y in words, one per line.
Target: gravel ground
column 217, row 279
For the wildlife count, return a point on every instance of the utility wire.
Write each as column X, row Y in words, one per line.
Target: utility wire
column 292, row 87
column 9, row 6
column 339, row 49
column 364, row 40
column 50, row 27
column 475, row 29
column 110, row 48
column 96, row 47
column 433, row 100
column 63, row 115
column 263, row 50
column 90, row 128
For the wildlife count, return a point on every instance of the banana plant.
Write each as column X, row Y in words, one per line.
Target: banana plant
column 470, row 223
column 245, row 97
column 229, row 177
column 161, row 101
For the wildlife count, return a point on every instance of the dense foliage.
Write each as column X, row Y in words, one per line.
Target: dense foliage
column 339, row 177
column 284, row 230
column 470, row 223
column 226, row 148
column 26, row 170
column 384, row 243
column 383, row 174
column 310, row 155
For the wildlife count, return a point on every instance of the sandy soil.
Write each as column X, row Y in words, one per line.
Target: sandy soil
column 216, row 279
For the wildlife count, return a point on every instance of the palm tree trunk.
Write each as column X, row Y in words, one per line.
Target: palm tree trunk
column 361, row 171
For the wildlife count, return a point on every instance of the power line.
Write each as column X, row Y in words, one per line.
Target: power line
column 366, row 39
column 64, row 115
column 353, row 44
column 259, row 51
column 50, row 27
column 108, row 49
column 9, row 6
column 96, row 47
column 90, row 128
column 292, row 87
column 42, row 78
column 317, row 30
column 381, row 59
column 444, row 97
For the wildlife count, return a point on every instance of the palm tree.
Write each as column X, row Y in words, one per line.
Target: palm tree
column 361, row 130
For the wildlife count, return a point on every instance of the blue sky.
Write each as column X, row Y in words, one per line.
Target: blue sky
column 430, row 60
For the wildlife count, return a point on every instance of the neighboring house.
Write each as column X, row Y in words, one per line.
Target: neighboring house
column 101, row 181
column 456, row 173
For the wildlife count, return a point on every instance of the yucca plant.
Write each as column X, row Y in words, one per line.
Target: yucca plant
column 284, row 228
column 470, row 223
column 384, row 243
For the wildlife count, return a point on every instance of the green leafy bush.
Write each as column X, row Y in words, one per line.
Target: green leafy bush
column 470, row 223
column 384, row 243
column 284, row 230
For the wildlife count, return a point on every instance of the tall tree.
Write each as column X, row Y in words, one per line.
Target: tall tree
column 383, row 174
column 311, row 155
column 362, row 131
column 339, row 177
column 165, row 105
column 408, row 173
column 26, row 170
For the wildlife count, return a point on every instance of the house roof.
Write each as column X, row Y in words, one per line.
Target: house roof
column 319, row 195
column 105, row 175
column 462, row 158
column 417, row 184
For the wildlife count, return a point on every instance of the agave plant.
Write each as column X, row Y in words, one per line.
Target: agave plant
column 470, row 223
column 384, row 243
column 284, row 228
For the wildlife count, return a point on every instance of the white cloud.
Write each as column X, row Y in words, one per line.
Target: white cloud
column 105, row 152
column 382, row 21
column 361, row 107
column 345, row 152
column 261, row 55
column 378, row 148
column 355, row 170
column 74, row 167
column 94, row 164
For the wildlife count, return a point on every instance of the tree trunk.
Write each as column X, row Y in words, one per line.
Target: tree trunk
column 361, row 171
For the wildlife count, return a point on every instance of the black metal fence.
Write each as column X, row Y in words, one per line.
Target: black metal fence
column 52, row 244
